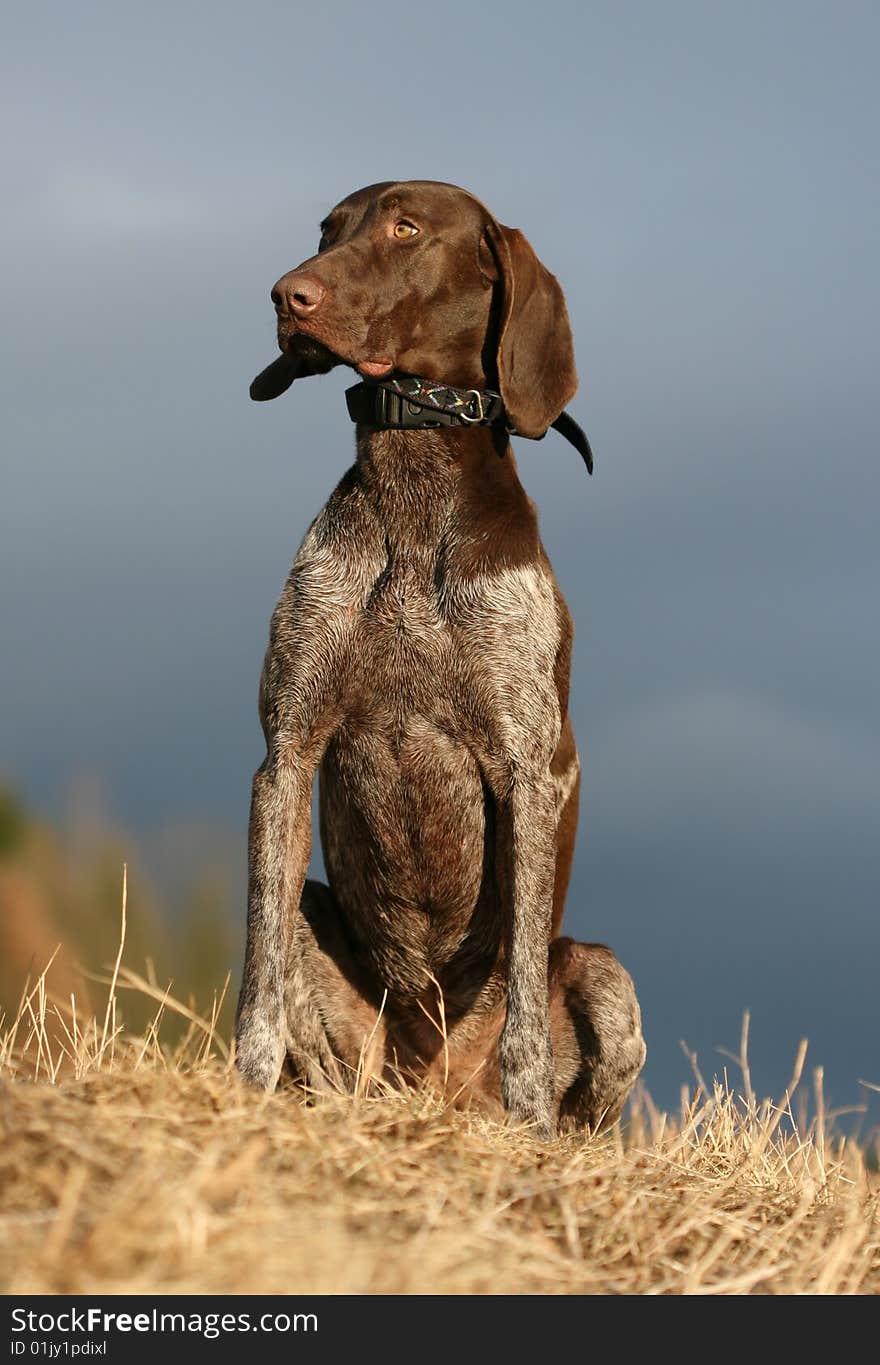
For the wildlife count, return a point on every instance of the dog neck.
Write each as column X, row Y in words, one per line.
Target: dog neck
column 453, row 483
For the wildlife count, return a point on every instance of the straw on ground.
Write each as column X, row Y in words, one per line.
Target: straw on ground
column 130, row 1166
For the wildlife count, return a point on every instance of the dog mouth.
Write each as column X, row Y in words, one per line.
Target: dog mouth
column 306, row 348
column 374, row 369
column 300, row 346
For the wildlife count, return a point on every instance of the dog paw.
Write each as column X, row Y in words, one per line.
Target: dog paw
column 259, row 1052
column 538, row 1119
column 536, row 1114
column 527, row 1088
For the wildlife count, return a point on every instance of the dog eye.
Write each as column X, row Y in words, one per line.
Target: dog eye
column 404, row 229
column 329, row 233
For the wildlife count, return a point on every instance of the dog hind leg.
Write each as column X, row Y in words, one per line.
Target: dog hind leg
column 334, row 1032
column 597, row 1035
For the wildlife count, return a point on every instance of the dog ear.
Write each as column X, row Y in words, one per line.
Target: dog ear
column 536, row 370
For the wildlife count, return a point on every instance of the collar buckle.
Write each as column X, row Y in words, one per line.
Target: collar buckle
column 481, row 411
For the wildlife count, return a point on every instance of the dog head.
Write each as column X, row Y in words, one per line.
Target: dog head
column 418, row 278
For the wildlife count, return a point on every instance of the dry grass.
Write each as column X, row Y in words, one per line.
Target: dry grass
column 128, row 1167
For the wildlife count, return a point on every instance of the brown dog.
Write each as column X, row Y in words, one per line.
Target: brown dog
column 420, row 656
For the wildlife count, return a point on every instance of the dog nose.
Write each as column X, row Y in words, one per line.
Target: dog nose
column 301, row 294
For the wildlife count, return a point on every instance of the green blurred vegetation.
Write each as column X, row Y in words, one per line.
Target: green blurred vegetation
column 61, row 888
column 13, row 825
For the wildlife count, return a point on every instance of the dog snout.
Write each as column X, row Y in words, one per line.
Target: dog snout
column 299, row 294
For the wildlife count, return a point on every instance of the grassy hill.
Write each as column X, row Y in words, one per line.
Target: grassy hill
column 132, row 1163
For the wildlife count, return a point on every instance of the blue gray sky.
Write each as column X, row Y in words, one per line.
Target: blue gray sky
column 703, row 179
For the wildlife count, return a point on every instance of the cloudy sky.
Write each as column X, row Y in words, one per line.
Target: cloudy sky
column 703, row 179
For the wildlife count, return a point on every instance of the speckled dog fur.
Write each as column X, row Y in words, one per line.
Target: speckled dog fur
column 419, row 658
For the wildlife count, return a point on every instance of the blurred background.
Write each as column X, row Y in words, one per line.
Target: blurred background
column 703, row 179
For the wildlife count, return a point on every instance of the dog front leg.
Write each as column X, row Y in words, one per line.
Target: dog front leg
column 525, row 871
column 279, row 846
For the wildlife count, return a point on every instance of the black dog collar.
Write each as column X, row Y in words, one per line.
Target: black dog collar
column 406, row 402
